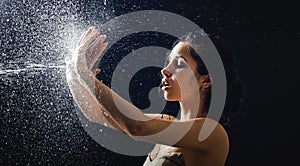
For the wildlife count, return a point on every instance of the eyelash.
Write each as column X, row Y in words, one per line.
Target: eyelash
column 180, row 65
column 177, row 63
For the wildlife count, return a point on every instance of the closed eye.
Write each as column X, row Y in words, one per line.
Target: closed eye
column 178, row 61
column 180, row 64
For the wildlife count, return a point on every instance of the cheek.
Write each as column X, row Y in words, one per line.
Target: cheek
column 186, row 81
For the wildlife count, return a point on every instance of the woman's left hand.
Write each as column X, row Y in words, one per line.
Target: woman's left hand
column 89, row 47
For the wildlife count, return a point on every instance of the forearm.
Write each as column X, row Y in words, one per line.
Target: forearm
column 88, row 49
column 129, row 117
column 90, row 106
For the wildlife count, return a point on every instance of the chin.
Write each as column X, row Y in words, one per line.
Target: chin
column 170, row 98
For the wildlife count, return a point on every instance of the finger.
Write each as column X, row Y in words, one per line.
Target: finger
column 96, row 44
column 91, row 37
column 97, row 53
column 68, row 58
column 101, row 48
column 68, row 72
column 86, row 34
column 90, row 30
column 81, row 38
column 96, row 71
column 98, row 41
column 68, row 63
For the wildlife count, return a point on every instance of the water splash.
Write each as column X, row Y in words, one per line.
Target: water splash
column 30, row 67
column 38, row 118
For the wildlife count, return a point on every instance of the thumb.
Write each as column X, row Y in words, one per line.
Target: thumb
column 68, row 59
column 96, row 71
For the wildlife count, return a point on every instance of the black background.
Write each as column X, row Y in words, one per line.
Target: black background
column 39, row 124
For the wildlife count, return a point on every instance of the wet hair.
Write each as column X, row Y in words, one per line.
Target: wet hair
column 235, row 88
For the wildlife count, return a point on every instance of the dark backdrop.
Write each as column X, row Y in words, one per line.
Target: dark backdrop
column 38, row 122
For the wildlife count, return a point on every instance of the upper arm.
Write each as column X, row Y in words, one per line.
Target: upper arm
column 215, row 136
column 184, row 134
column 161, row 116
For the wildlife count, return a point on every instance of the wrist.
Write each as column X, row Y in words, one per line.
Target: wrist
column 86, row 76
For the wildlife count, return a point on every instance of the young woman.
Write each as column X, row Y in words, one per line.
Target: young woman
column 185, row 79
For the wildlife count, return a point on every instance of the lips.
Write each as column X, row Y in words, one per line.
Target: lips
column 165, row 84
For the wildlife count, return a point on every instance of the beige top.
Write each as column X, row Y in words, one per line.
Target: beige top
column 164, row 158
column 167, row 159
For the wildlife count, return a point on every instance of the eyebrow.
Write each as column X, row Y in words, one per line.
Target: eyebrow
column 178, row 56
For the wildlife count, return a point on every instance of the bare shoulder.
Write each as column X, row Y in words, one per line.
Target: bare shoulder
column 208, row 124
column 213, row 133
column 203, row 134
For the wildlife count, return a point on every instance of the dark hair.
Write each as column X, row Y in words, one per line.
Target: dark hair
column 235, row 88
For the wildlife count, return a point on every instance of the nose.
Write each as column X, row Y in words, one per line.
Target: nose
column 165, row 72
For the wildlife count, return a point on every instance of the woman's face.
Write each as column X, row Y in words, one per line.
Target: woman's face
column 180, row 79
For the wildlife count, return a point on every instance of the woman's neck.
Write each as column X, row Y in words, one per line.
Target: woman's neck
column 191, row 109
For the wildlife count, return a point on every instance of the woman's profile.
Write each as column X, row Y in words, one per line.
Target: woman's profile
column 184, row 79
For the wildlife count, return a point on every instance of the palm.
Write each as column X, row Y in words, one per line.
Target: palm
column 89, row 47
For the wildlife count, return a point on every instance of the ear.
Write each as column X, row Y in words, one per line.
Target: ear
column 205, row 82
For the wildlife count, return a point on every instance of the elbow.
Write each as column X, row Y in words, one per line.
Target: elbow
column 136, row 129
column 94, row 120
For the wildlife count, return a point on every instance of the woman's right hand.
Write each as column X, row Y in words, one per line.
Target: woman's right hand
column 71, row 75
